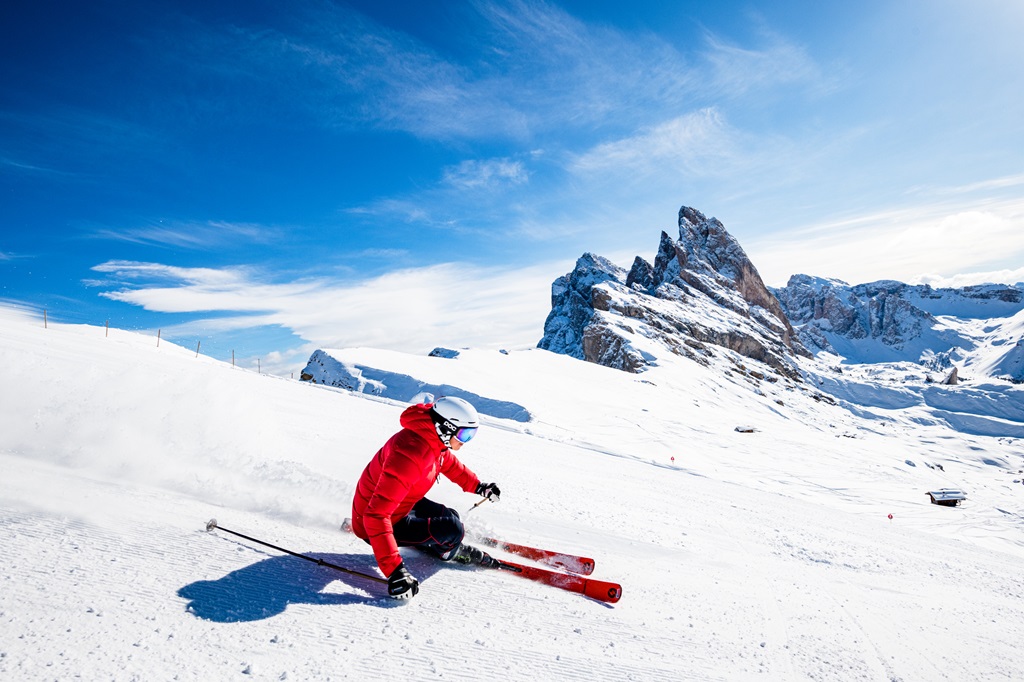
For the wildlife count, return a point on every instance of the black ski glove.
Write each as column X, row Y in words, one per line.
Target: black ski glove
column 401, row 584
column 489, row 490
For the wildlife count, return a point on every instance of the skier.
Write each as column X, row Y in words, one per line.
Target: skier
column 389, row 509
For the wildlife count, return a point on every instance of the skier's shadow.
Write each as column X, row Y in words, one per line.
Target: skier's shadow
column 266, row 588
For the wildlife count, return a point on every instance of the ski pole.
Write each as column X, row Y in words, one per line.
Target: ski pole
column 212, row 525
column 486, row 499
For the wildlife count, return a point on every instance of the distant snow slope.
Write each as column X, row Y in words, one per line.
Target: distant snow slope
column 750, row 555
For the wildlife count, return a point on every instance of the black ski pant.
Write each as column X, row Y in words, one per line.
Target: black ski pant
column 432, row 527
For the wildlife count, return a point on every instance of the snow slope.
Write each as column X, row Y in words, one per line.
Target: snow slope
column 764, row 555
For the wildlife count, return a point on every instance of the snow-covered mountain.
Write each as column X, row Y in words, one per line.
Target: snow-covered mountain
column 703, row 296
column 976, row 329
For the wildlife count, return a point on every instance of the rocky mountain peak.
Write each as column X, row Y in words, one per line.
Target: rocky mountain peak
column 710, row 250
column 701, row 290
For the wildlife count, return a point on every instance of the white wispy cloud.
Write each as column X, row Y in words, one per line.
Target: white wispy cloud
column 485, row 174
column 696, row 142
column 347, row 70
column 134, row 270
column 9, row 256
column 733, row 70
column 389, row 254
column 999, row 183
column 34, row 169
column 536, row 71
column 412, row 310
column 191, row 234
column 420, row 208
column 190, row 290
column 563, row 71
column 468, row 198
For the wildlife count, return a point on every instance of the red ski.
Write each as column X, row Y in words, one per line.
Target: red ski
column 569, row 562
column 595, row 589
column 571, row 582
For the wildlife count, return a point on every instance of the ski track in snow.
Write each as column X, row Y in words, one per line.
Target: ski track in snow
column 753, row 556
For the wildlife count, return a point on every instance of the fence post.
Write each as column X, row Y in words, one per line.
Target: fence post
column 107, row 330
column 198, row 343
column 45, row 325
column 158, row 338
column 259, row 368
column 232, row 358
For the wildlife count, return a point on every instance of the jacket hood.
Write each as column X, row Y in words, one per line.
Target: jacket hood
column 417, row 418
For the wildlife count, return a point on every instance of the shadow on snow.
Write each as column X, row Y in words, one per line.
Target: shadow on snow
column 266, row 588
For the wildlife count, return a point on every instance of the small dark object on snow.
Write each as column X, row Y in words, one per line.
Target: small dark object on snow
column 745, row 429
column 947, row 497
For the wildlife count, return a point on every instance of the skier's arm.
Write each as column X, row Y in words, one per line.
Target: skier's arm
column 392, row 487
column 458, row 473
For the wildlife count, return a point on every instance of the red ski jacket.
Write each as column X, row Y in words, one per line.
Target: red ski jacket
column 398, row 477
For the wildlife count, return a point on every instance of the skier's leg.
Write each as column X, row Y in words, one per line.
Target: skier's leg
column 432, row 527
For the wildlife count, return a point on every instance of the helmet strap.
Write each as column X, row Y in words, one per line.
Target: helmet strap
column 445, row 429
column 445, row 437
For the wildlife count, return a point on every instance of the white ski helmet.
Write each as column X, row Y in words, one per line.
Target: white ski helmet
column 454, row 417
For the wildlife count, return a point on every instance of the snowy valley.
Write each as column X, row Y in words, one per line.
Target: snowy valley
column 753, row 472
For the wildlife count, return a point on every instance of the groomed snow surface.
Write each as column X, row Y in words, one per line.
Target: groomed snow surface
column 765, row 555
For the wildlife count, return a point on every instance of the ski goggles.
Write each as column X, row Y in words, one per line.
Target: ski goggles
column 465, row 434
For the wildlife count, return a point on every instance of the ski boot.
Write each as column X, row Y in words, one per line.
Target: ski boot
column 470, row 555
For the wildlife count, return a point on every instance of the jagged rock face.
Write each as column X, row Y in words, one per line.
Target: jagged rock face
column 805, row 299
column 572, row 308
column 983, row 292
column 701, row 291
column 712, row 261
column 891, row 319
column 879, row 310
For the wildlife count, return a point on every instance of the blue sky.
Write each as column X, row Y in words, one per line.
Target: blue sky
column 274, row 177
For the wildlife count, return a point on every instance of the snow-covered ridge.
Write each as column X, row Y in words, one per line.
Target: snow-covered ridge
column 331, row 368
